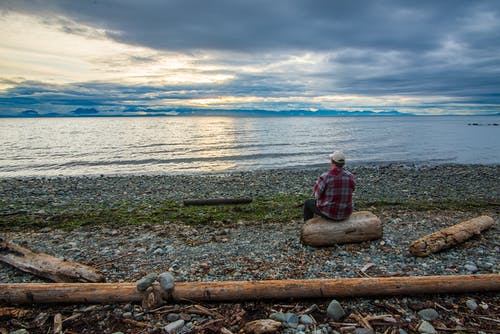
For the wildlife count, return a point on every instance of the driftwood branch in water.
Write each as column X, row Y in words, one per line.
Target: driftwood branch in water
column 450, row 236
column 47, row 266
column 23, row 293
column 217, row 201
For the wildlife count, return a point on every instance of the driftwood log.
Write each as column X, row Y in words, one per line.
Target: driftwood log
column 28, row 293
column 47, row 266
column 450, row 236
column 217, row 201
column 360, row 226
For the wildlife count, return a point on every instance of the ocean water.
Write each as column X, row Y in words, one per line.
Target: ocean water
column 179, row 145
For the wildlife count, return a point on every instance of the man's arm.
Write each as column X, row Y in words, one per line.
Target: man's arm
column 319, row 187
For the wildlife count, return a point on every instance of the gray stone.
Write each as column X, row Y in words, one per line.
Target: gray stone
column 471, row 304
column 127, row 315
column 471, row 267
column 20, row 331
column 483, row 305
column 126, row 307
column 278, row 316
column 301, row 328
column 174, row 326
column 166, row 280
column 428, row 314
column 402, row 331
column 173, row 317
column 327, row 329
column 426, row 328
column 291, row 320
column 306, row 320
column 158, row 251
column 146, row 282
column 335, row 311
column 363, row 331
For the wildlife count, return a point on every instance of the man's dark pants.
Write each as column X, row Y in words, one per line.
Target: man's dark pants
column 310, row 209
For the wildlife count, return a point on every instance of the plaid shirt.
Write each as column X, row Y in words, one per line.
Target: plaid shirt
column 333, row 192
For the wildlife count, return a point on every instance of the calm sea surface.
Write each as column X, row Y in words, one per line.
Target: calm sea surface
column 173, row 145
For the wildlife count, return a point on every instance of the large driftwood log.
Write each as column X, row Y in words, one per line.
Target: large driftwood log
column 360, row 226
column 217, row 201
column 27, row 293
column 47, row 266
column 450, row 236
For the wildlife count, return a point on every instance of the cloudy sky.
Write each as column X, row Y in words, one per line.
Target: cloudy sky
column 129, row 56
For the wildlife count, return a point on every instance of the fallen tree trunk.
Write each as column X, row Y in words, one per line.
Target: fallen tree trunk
column 450, row 236
column 217, row 201
column 27, row 293
column 47, row 266
column 360, row 226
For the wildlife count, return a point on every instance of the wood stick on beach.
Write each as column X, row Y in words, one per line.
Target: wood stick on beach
column 47, row 266
column 218, row 201
column 450, row 236
column 28, row 293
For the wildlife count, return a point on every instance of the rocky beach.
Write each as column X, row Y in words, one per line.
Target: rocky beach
column 411, row 201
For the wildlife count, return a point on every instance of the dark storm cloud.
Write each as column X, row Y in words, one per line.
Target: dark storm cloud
column 419, row 48
column 270, row 25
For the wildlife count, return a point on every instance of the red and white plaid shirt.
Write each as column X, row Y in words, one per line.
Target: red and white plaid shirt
column 333, row 192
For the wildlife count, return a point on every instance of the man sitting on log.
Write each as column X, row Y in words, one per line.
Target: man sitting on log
column 332, row 192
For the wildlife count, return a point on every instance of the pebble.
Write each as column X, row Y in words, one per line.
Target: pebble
column 278, row 316
column 471, row 267
column 306, row 319
column 174, row 326
column 291, row 320
column 471, row 304
column 364, row 331
column 428, row 314
column 483, row 305
column 301, row 328
column 171, row 317
column 146, row 281
column 127, row 315
column 335, row 311
column 158, row 251
column 166, row 280
column 426, row 328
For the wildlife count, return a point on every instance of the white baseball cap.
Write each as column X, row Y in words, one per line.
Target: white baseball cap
column 338, row 156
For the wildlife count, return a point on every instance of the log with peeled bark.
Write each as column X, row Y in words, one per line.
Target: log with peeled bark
column 450, row 236
column 47, row 266
column 360, row 226
column 28, row 293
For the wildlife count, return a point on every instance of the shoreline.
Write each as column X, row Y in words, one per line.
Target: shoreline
column 415, row 165
column 438, row 196
column 388, row 182
column 234, row 249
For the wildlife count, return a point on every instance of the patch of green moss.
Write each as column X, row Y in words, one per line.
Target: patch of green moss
column 415, row 205
column 269, row 209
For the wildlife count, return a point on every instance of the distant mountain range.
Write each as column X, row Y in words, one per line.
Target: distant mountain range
column 92, row 112
column 140, row 112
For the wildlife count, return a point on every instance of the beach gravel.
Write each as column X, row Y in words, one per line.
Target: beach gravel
column 260, row 250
